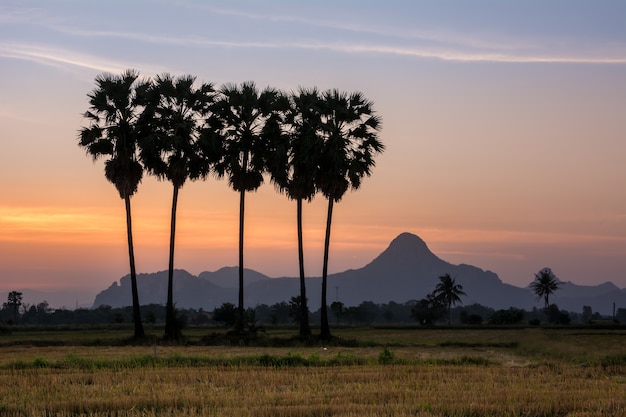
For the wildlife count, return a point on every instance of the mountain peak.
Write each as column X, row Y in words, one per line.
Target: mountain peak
column 406, row 250
column 408, row 244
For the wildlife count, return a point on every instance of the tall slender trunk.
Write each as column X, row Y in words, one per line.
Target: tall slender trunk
column 305, row 329
column 325, row 328
column 139, row 333
column 242, row 203
column 172, row 331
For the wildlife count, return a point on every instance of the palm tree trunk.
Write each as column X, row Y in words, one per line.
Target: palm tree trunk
column 305, row 329
column 139, row 333
column 172, row 332
column 325, row 328
column 240, row 309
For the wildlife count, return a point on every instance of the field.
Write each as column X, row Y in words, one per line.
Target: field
column 370, row 372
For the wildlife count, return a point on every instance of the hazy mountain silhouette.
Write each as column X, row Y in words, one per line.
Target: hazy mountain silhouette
column 189, row 291
column 228, row 276
column 406, row 270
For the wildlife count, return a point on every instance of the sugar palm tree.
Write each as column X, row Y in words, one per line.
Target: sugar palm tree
column 112, row 134
column 239, row 116
column 294, row 161
column 174, row 109
column 350, row 129
column 545, row 283
column 449, row 292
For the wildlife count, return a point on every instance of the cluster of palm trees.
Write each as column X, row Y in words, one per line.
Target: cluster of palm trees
column 304, row 142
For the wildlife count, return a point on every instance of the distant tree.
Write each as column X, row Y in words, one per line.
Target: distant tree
column 280, row 313
column 350, row 129
column 428, row 310
column 226, row 313
column 556, row 315
column 295, row 309
column 169, row 150
column 14, row 302
column 587, row 314
column 545, row 283
column 510, row 316
column 338, row 309
column 113, row 133
column 449, row 292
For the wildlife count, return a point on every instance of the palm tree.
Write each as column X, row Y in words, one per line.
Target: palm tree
column 545, row 283
column 239, row 116
column 112, row 133
column 170, row 151
column 449, row 292
column 350, row 130
column 293, row 162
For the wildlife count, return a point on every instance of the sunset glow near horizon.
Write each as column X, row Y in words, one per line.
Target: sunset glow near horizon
column 504, row 125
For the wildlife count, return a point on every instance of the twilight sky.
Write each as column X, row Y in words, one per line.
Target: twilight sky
column 504, row 122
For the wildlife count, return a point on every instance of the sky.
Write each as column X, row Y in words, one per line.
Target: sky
column 504, row 124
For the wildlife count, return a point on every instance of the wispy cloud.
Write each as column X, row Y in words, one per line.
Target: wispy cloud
column 62, row 58
column 433, row 52
column 450, row 45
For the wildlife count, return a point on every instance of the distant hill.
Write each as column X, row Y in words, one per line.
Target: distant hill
column 405, row 271
column 228, row 277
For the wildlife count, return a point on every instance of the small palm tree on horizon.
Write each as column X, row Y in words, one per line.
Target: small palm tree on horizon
column 448, row 291
column 113, row 134
column 545, row 283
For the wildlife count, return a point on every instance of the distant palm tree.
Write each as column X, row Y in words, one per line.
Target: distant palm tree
column 294, row 160
column 350, row 130
column 113, row 134
column 174, row 109
column 449, row 292
column 239, row 116
column 545, row 283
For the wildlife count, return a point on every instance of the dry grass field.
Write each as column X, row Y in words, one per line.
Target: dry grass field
column 380, row 372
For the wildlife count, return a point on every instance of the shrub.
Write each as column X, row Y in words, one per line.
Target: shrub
column 386, row 357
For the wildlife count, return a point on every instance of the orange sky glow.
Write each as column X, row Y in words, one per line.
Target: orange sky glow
column 504, row 133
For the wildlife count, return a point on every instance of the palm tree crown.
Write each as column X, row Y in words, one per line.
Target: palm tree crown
column 545, row 283
column 350, row 128
column 113, row 113
column 174, row 111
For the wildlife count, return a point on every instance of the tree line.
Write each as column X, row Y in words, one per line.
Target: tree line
column 305, row 142
column 434, row 307
column 287, row 313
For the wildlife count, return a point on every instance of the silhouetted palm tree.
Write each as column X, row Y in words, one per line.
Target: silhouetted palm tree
column 294, row 160
column 174, row 109
column 112, row 134
column 239, row 116
column 449, row 292
column 545, row 283
column 350, row 129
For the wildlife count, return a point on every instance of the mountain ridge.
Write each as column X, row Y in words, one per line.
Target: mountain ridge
column 406, row 270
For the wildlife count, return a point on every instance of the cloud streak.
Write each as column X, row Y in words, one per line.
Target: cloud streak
column 56, row 56
column 62, row 58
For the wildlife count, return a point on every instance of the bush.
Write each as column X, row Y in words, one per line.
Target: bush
column 386, row 357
